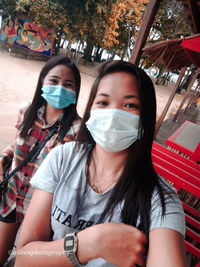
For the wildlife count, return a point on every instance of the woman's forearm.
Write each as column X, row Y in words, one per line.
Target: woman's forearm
column 41, row 253
column 108, row 241
column 51, row 253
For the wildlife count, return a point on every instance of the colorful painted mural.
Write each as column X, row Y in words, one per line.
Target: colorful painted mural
column 26, row 34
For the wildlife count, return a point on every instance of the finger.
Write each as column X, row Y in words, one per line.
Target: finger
column 141, row 261
column 143, row 250
column 140, row 255
column 143, row 238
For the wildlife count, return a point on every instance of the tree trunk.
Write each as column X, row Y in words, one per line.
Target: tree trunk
column 88, row 52
column 61, row 46
column 76, row 57
column 68, row 54
column 56, row 46
column 57, row 42
column 98, row 54
column 128, row 43
column 112, row 56
column 158, row 78
column 123, row 55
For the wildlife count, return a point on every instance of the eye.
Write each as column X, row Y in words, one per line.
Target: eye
column 102, row 103
column 131, row 105
column 67, row 85
column 53, row 81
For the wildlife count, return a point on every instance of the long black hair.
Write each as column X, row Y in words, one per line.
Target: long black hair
column 70, row 112
column 139, row 179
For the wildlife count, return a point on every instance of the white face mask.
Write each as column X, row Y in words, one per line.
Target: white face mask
column 113, row 129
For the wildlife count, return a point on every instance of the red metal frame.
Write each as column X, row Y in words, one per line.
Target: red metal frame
column 192, row 234
column 183, row 161
column 192, row 249
column 182, row 173
column 191, row 210
column 196, row 155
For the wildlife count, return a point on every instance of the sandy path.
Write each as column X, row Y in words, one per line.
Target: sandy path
column 18, row 78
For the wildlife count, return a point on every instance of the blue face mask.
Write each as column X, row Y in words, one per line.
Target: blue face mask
column 58, row 96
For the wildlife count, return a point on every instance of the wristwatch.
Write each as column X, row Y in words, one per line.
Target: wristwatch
column 70, row 248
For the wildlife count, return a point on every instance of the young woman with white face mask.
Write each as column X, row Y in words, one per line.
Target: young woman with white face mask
column 98, row 201
column 54, row 104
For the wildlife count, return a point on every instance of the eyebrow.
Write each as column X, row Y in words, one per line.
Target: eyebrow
column 103, row 94
column 126, row 96
column 131, row 96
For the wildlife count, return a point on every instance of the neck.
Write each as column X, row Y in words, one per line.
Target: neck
column 105, row 168
column 52, row 114
column 104, row 158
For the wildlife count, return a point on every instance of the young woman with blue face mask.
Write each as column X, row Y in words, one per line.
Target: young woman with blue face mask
column 54, row 104
column 103, row 204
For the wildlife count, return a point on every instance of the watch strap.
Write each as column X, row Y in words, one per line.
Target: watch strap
column 71, row 252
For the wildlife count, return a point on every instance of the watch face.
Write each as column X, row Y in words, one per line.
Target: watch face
column 69, row 243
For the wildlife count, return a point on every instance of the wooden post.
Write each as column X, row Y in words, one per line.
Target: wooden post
column 187, row 94
column 193, row 97
column 145, row 27
column 162, row 116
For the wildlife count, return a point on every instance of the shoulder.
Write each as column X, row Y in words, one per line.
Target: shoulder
column 59, row 163
column 166, row 188
column 22, row 109
column 24, row 106
column 69, row 151
column 49, row 174
column 69, row 156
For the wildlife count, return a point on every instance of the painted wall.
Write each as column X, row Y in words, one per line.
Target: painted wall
column 26, row 34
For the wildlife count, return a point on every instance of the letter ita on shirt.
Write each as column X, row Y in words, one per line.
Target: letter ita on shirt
column 67, row 219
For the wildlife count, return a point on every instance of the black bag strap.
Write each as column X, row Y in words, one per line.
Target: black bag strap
column 31, row 157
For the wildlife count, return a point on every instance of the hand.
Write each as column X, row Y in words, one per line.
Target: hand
column 120, row 244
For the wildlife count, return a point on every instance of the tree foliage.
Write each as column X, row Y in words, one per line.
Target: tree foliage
column 129, row 21
column 171, row 21
column 112, row 25
column 8, row 6
column 45, row 13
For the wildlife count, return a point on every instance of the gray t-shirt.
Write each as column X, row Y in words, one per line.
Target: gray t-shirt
column 76, row 206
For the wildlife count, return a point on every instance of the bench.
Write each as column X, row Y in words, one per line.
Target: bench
column 184, row 175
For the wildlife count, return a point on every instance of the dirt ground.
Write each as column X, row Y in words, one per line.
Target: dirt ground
column 18, row 79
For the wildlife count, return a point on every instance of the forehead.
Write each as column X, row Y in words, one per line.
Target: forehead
column 119, row 83
column 61, row 71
